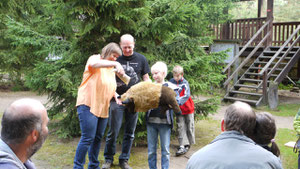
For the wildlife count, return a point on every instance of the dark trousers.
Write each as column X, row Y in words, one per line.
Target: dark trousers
column 116, row 114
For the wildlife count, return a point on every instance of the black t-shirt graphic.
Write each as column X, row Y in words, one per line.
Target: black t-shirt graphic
column 135, row 67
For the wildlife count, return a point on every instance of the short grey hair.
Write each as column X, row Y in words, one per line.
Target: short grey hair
column 127, row 37
column 239, row 116
column 16, row 127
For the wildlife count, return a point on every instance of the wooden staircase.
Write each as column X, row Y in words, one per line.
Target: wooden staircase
column 273, row 64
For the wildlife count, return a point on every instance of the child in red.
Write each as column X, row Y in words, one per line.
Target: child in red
column 185, row 121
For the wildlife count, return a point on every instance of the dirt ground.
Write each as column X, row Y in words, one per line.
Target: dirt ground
column 7, row 98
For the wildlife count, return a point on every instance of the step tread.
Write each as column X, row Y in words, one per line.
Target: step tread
column 259, row 68
column 246, row 86
column 241, row 99
column 246, row 93
column 257, row 74
column 274, row 51
column 252, row 80
column 282, row 63
column 269, row 57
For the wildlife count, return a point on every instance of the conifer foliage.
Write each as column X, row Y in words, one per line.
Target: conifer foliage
column 49, row 41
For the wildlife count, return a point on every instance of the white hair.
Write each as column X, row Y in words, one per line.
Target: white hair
column 127, row 37
column 160, row 66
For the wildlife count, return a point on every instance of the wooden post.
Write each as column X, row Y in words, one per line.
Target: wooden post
column 270, row 7
column 273, row 95
column 228, row 75
column 259, row 6
column 298, row 69
column 265, row 86
column 225, row 27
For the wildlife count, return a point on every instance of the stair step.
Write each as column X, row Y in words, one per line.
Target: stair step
column 246, row 93
column 257, row 74
column 246, row 86
column 269, row 57
column 273, row 63
column 272, row 48
column 283, row 52
column 260, row 68
column 241, row 99
column 251, row 73
column 250, row 80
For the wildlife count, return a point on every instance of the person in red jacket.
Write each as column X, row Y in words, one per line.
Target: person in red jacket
column 185, row 121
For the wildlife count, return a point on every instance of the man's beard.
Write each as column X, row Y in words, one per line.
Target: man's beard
column 37, row 145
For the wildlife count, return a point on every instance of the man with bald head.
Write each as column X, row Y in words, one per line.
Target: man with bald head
column 137, row 68
column 24, row 130
column 233, row 149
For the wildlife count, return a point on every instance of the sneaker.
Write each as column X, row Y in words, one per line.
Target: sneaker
column 106, row 165
column 187, row 147
column 181, row 151
column 125, row 165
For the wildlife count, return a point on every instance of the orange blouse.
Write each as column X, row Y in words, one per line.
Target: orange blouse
column 97, row 88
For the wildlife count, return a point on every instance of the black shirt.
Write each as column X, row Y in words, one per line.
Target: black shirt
column 135, row 67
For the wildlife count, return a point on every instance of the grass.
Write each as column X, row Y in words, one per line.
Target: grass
column 59, row 153
column 282, row 110
column 288, row 157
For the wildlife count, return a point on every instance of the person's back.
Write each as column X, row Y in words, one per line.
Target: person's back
column 233, row 149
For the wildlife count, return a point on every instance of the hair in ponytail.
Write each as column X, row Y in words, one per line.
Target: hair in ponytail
column 265, row 132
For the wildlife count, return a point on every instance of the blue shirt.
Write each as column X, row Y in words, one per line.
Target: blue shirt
column 9, row 160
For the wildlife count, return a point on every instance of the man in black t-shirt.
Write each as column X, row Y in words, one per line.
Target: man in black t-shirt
column 135, row 66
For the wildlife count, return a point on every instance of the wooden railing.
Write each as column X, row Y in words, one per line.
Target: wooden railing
column 244, row 29
column 293, row 39
column 282, row 31
column 240, row 29
column 255, row 36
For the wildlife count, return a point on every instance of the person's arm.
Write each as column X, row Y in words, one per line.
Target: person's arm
column 297, row 123
column 146, row 77
column 186, row 95
column 96, row 62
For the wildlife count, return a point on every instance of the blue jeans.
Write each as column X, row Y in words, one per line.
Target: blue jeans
column 164, row 132
column 92, row 130
column 115, row 120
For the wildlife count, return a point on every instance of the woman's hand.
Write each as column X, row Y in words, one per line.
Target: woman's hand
column 119, row 69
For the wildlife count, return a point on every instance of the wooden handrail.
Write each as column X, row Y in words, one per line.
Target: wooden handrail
column 246, row 19
column 246, row 46
column 247, row 58
column 279, row 78
column 278, row 52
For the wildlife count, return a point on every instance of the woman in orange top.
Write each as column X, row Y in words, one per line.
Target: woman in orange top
column 97, row 88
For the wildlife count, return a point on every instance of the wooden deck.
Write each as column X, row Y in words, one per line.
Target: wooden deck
column 244, row 29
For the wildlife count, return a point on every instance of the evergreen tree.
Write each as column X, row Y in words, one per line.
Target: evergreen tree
column 50, row 42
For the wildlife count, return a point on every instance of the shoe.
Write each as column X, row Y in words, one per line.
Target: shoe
column 106, row 165
column 125, row 165
column 181, row 151
column 187, row 147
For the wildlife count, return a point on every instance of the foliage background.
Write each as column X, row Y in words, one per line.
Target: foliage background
column 47, row 42
column 284, row 10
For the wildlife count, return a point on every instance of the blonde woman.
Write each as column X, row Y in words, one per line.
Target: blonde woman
column 97, row 88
